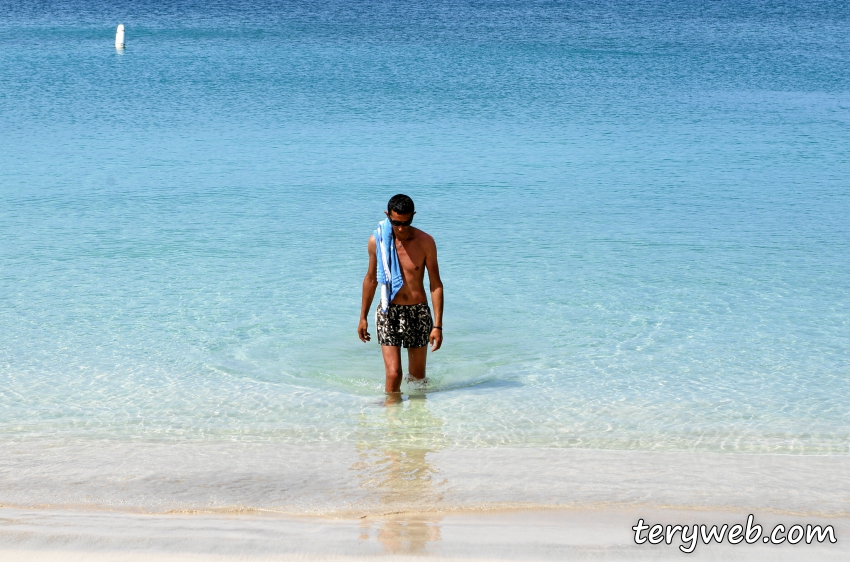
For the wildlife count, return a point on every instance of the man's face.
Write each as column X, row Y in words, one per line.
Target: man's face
column 401, row 230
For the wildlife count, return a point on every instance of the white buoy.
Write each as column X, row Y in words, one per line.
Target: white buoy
column 119, row 37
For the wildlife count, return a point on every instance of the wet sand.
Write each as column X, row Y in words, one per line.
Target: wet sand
column 557, row 534
column 273, row 502
column 381, row 476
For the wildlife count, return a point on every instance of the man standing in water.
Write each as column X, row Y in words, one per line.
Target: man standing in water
column 407, row 320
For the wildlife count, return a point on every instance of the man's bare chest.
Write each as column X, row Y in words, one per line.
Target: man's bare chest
column 411, row 256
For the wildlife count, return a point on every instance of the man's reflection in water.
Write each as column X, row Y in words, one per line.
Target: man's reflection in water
column 393, row 446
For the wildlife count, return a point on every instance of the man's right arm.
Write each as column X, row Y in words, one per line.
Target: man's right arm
column 370, row 284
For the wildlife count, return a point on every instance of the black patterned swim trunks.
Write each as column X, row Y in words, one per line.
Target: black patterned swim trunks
column 404, row 324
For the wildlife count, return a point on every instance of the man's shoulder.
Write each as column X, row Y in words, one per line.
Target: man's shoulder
column 424, row 238
column 424, row 235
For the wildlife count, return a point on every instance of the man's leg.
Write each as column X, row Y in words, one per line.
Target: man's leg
column 416, row 358
column 392, row 367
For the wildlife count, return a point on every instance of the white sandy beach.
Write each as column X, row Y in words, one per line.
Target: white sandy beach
column 353, row 481
column 50, row 535
column 255, row 501
column 271, row 502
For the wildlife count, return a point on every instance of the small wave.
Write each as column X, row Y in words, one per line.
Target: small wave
column 479, row 383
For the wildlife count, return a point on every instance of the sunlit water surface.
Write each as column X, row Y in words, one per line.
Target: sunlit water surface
column 641, row 211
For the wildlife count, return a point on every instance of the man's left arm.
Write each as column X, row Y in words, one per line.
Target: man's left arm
column 436, row 337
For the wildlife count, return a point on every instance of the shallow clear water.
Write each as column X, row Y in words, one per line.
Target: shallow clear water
column 641, row 213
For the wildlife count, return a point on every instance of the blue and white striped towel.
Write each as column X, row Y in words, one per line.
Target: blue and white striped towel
column 389, row 270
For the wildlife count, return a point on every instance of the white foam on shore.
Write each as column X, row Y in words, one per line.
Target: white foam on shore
column 347, row 480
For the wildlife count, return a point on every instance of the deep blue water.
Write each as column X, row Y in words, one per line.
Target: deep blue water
column 641, row 210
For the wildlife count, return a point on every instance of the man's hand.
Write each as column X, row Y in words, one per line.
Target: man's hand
column 363, row 330
column 436, row 339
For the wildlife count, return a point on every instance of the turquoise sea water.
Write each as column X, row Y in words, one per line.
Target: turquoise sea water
column 641, row 211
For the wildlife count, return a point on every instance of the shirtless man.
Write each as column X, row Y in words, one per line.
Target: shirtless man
column 407, row 321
